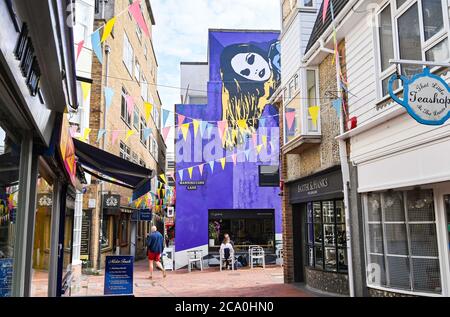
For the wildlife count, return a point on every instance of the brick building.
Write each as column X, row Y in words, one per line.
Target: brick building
column 130, row 68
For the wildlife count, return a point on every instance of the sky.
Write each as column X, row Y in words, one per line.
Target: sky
column 181, row 34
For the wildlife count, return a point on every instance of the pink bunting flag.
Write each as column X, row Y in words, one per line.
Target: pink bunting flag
column 234, row 158
column 135, row 10
column 115, row 135
column 200, row 168
column 222, row 125
column 165, row 132
column 130, row 105
column 325, row 10
column 73, row 131
column 290, row 117
column 181, row 119
column 80, row 46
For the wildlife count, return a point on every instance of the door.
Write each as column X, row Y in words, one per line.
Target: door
column 447, row 212
column 299, row 227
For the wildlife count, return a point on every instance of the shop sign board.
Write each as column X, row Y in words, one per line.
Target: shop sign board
column 111, row 201
column 145, row 215
column 426, row 97
column 119, row 275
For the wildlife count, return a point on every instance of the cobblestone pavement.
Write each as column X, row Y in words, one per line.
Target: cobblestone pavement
column 257, row 282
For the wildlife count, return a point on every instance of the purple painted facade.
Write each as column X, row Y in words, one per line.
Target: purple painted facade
column 235, row 187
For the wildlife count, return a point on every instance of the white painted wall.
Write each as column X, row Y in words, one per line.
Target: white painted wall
column 196, row 77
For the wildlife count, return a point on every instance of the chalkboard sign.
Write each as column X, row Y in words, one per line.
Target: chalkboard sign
column 119, row 275
column 6, row 271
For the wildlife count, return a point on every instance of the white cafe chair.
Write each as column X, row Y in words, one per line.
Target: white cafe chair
column 193, row 258
column 223, row 260
column 257, row 253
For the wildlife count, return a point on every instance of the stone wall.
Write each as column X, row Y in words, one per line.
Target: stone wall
column 329, row 282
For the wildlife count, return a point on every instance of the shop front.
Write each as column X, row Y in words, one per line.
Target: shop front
column 319, row 231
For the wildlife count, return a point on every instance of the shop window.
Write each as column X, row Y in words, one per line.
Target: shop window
column 269, row 176
column 326, row 241
column 401, row 241
column 123, row 230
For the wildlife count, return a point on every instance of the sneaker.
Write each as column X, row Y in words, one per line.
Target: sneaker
column 164, row 274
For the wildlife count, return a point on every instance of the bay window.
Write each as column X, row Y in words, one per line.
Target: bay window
column 411, row 30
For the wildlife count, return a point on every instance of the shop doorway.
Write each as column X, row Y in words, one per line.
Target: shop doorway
column 299, row 225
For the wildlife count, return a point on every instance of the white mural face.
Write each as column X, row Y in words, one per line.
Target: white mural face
column 251, row 66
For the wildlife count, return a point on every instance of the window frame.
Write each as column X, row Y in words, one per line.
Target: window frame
column 268, row 185
column 136, row 119
column 124, row 151
column 143, row 126
column 137, row 70
column 124, row 115
column 128, row 48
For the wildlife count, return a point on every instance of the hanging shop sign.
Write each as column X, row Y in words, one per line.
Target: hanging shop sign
column 119, row 275
column 45, row 200
column 111, row 201
column 426, row 97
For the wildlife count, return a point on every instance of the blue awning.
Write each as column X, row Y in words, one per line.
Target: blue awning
column 132, row 176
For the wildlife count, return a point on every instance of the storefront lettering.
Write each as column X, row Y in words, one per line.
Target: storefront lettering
column 192, row 185
column 313, row 186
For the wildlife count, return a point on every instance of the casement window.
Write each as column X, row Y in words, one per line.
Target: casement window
column 137, row 71
column 128, row 54
column 134, row 158
column 136, row 119
column 124, row 108
column 125, row 151
column 411, row 30
column 401, row 241
column 325, row 236
column 138, row 33
column 155, row 115
column 144, row 88
column 142, row 163
column 269, row 176
column 142, row 131
column 311, row 89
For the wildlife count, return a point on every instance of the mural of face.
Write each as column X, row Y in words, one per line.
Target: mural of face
column 251, row 66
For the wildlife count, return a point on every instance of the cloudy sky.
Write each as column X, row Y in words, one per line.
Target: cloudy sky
column 181, row 32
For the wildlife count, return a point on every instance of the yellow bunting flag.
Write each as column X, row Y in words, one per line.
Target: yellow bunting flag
column 264, row 140
column 129, row 133
column 190, row 169
column 242, row 124
column 163, row 177
column 196, row 124
column 138, row 202
column 259, row 148
column 86, row 88
column 87, row 131
column 223, row 161
column 148, row 110
column 185, row 130
column 108, row 29
column 314, row 114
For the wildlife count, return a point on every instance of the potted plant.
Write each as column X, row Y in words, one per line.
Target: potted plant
column 212, row 234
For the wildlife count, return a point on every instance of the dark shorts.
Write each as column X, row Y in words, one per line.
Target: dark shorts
column 154, row 256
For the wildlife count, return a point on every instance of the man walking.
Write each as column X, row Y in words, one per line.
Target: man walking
column 155, row 247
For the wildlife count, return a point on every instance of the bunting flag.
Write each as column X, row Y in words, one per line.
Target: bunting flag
column 290, row 118
column 180, row 173
column 242, row 124
column 264, row 140
column 203, row 126
column 147, row 132
column 135, row 10
column 259, row 148
column 262, row 122
column 222, row 126
column 86, row 89
column 163, row 177
column 325, row 10
column 337, row 105
column 196, row 124
column 101, row 134
column 115, row 136
column 211, row 165
column 80, row 46
column 181, row 119
column 96, row 46
column 109, row 94
column 130, row 105
column 165, row 115
column 234, row 158
column 148, row 110
column 165, row 132
column 73, row 131
column 314, row 114
column 200, row 169
column 247, row 154
column 223, row 161
column 255, row 139
column 86, row 133
column 185, row 130
column 129, row 134
column 190, row 169
column 108, row 29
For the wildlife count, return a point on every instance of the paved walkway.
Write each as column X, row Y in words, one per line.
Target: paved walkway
column 209, row 283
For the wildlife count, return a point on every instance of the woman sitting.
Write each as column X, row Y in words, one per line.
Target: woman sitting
column 226, row 250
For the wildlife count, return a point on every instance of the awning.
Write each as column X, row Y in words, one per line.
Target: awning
column 129, row 175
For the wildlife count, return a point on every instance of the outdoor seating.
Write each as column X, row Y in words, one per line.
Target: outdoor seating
column 257, row 253
column 193, row 258
column 230, row 259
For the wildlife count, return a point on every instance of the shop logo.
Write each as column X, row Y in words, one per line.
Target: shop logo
column 112, row 201
column 426, row 97
column 45, row 201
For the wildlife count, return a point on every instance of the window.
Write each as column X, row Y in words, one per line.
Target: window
column 312, row 98
column 153, row 147
column 296, row 83
column 143, row 127
column 307, row 3
column 137, row 71
column 106, row 232
column 124, row 108
column 128, row 54
column 138, row 33
column 269, row 176
column 123, row 229
column 145, row 51
column 125, row 151
column 144, row 89
column 155, row 115
column 134, row 158
column 136, row 119
column 326, row 239
column 401, row 240
column 291, row 89
column 142, row 163
column 411, row 30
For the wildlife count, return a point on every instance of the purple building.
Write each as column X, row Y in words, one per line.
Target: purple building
column 228, row 179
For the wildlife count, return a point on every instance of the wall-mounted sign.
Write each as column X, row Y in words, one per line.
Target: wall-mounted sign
column 192, row 185
column 426, row 97
column 111, row 201
column 92, row 203
column 145, row 215
column 119, row 275
column 44, row 200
